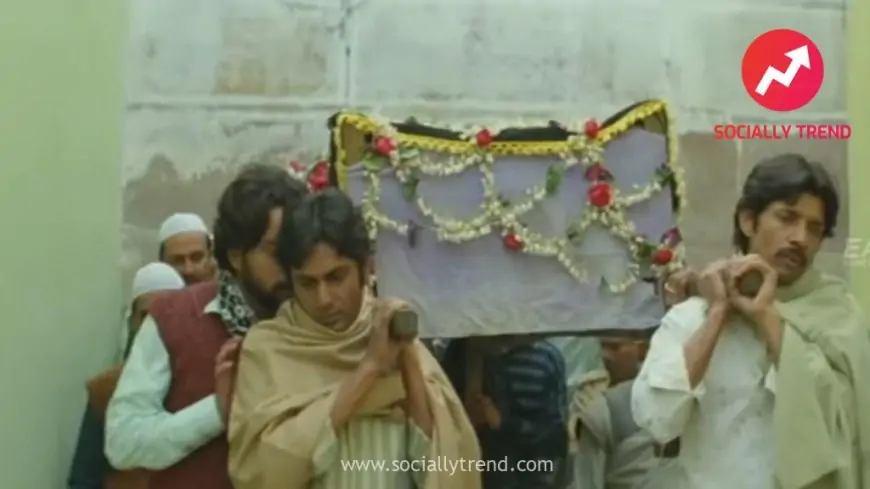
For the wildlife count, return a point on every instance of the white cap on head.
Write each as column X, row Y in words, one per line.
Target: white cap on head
column 155, row 277
column 182, row 222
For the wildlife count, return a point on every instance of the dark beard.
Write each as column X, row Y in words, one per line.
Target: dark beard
column 264, row 303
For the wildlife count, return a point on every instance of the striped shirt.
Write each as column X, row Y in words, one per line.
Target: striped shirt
column 369, row 454
column 528, row 387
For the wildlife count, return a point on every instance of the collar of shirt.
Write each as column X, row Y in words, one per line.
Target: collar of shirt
column 212, row 307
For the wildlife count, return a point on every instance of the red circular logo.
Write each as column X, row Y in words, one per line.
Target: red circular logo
column 783, row 70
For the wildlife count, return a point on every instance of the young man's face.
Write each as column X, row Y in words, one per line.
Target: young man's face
column 329, row 287
column 787, row 235
column 622, row 357
column 190, row 254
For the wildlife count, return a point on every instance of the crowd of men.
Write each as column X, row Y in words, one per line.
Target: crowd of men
column 258, row 357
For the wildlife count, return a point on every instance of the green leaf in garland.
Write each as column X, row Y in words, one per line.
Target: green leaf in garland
column 373, row 163
column 554, row 179
column 645, row 250
column 407, row 153
column 504, row 202
column 409, row 188
column 664, row 173
column 573, row 233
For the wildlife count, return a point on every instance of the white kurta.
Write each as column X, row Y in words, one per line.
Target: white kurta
column 725, row 424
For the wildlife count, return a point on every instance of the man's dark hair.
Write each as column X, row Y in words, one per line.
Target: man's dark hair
column 328, row 217
column 785, row 178
column 244, row 207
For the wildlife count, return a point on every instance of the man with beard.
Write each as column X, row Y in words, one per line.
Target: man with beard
column 769, row 386
column 185, row 251
column 324, row 384
column 169, row 411
column 186, row 245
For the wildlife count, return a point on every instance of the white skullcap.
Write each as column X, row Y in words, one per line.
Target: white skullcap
column 155, row 277
column 182, row 222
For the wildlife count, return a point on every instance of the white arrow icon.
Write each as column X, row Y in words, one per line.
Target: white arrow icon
column 800, row 57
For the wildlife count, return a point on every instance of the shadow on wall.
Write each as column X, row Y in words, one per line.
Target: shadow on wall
column 162, row 190
column 159, row 192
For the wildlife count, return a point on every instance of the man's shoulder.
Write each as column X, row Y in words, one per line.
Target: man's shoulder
column 197, row 292
column 541, row 355
column 549, row 353
column 193, row 298
column 592, row 386
column 688, row 314
column 262, row 335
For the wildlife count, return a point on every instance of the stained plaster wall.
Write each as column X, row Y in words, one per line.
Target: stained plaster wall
column 214, row 84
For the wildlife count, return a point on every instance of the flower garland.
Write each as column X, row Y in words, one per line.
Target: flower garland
column 607, row 206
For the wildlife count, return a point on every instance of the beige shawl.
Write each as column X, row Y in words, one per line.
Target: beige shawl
column 822, row 410
column 289, row 371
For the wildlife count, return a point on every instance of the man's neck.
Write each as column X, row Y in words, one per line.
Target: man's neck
column 614, row 381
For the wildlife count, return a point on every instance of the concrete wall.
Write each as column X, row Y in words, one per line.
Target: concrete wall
column 214, row 84
column 859, row 147
column 61, row 111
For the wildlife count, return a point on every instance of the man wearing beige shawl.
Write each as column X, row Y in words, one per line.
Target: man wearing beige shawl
column 766, row 388
column 324, row 394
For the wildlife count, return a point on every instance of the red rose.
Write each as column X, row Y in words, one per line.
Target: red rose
column 512, row 242
column 318, row 178
column 384, row 146
column 591, row 129
column 600, row 194
column 663, row 256
column 597, row 173
column 483, row 138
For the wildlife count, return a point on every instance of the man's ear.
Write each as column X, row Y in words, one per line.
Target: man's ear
column 746, row 221
column 642, row 348
column 236, row 258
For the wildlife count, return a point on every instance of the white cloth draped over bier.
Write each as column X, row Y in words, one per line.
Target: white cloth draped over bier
column 478, row 287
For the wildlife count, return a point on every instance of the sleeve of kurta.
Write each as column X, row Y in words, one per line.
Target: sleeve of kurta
column 140, row 433
column 662, row 399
